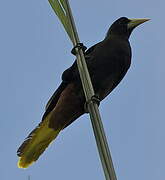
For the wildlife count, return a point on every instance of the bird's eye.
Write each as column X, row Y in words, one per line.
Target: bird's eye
column 123, row 21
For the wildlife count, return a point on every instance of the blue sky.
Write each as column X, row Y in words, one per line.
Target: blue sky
column 35, row 50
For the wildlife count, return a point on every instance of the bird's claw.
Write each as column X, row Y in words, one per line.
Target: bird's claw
column 94, row 99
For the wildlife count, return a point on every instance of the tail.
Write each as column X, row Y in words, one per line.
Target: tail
column 62, row 109
column 36, row 143
column 40, row 138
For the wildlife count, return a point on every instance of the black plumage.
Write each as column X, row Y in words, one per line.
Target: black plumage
column 107, row 61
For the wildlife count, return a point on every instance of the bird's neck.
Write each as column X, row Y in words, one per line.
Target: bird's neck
column 117, row 36
column 119, row 44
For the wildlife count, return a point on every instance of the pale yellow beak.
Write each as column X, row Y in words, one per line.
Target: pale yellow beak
column 135, row 22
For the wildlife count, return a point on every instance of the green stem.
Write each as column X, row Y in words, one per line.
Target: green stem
column 98, row 129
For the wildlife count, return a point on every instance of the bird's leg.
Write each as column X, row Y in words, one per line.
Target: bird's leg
column 94, row 99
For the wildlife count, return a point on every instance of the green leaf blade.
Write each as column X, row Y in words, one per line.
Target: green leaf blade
column 59, row 9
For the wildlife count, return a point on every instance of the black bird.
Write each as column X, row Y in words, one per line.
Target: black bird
column 108, row 62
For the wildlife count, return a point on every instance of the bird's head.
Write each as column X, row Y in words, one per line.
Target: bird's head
column 124, row 26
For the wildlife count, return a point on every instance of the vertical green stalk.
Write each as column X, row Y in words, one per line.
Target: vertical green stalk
column 69, row 25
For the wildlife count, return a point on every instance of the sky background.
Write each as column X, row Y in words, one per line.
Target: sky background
column 35, row 50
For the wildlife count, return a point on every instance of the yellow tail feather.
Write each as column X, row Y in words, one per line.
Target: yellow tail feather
column 36, row 143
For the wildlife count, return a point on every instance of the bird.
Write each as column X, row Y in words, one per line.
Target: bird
column 108, row 61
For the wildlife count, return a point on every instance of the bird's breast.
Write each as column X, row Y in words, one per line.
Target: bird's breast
column 106, row 86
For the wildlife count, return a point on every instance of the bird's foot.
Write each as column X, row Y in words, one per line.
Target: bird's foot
column 78, row 46
column 94, row 99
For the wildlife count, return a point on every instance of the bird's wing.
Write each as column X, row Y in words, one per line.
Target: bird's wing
column 68, row 108
column 54, row 99
column 72, row 73
column 67, row 77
